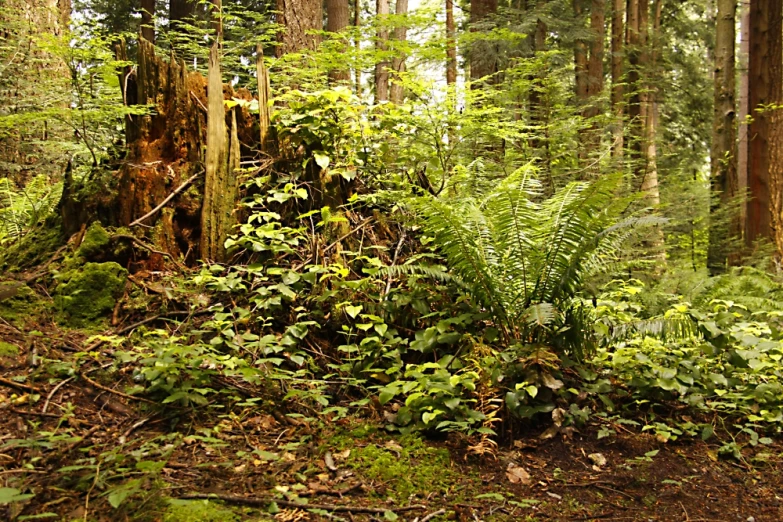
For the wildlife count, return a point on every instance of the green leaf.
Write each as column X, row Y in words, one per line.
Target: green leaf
column 321, row 159
column 352, row 310
column 8, row 495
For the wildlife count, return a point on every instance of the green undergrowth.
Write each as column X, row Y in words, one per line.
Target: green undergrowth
column 34, row 248
column 200, row 511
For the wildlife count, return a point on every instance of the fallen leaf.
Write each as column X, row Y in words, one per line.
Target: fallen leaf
column 554, row 495
column 517, row 474
column 598, row 459
column 329, row 461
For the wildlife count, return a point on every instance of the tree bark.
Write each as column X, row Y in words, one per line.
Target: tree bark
column 180, row 10
column 451, row 45
column 723, row 155
column 300, row 18
column 222, row 157
column 744, row 113
column 483, row 56
column 357, row 22
column 337, row 18
column 618, row 94
column 148, row 20
column 595, row 66
column 397, row 92
column 382, row 67
column 765, row 88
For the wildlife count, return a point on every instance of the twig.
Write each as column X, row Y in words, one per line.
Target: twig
column 72, row 446
column 34, row 413
column 18, row 386
column 433, row 515
column 687, row 517
column 198, row 101
column 169, row 198
column 51, row 393
column 394, row 262
column 115, row 392
column 263, row 501
column 139, row 424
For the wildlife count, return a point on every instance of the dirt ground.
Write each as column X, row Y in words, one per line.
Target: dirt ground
column 88, row 451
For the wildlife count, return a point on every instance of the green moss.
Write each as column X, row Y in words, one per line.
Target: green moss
column 23, row 306
column 198, row 511
column 35, row 248
column 90, row 291
column 95, row 243
column 407, row 466
column 8, row 350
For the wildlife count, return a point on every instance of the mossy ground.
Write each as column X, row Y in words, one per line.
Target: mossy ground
column 95, row 243
column 23, row 307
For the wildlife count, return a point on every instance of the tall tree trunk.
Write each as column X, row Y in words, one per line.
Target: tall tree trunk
column 776, row 126
column 451, row 45
column 382, row 67
column 595, row 66
column 180, row 10
column 742, row 145
column 649, row 60
column 483, row 56
column 765, row 87
column 633, row 50
column 300, row 19
column 148, row 20
column 723, row 155
column 618, row 94
column 397, row 92
column 539, row 114
column 337, row 18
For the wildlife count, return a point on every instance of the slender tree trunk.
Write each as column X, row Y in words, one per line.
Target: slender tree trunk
column 337, row 19
column 538, row 110
column 742, row 145
column 618, row 101
column 776, row 126
column 581, row 79
column 724, row 148
column 397, row 92
column 148, row 20
column 357, row 22
column 765, row 86
column 633, row 50
column 300, row 19
column 451, row 44
column 483, row 55
column 382, row 67
column 649, row 182
column 595, row 66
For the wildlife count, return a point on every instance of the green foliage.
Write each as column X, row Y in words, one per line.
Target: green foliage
column 526, row 261
column 22, row 208
column 198, row 511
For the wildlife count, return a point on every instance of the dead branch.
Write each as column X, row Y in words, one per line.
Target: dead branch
column 263, row 501
column 169, row 198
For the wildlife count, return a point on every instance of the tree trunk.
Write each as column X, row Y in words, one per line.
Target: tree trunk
column 724, row 149
column 180, row 10
column 765, row 87
column 538, row 110
column 580, row 60
column 337, row 17
column 483, row 55
column 148, row 20
column 300, row 18
column 633, row 50
column 451, row 45
column 382, row 67
column 357, row 22
column 618, row 101
column 775, row 66
column 397, row 92
column 595, row 66
column 742, row 146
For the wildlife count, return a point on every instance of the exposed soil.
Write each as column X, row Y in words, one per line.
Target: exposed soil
column 210, row 451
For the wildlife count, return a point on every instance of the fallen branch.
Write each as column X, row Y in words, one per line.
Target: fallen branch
column 54, row 390
column 165, row 201
column 263, row 501
column 432, row 515
column 18, row 385
column 115, row 392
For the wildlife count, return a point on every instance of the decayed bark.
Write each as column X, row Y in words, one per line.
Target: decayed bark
column 300, row 18
column 337, row 16
column 483, row 55
column 148, row 20
column 618, row 102
column 397, row 92
column 451, row 45
column 765, row 86
column 381, row 68
column 724, row 149
column 264, row 116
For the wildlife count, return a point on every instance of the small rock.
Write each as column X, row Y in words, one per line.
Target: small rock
column 598, row 459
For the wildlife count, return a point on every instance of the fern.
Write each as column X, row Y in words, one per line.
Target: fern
column 526, row 260
column 21, row 209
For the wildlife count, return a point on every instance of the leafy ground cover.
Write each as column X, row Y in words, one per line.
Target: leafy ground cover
column 79, row 448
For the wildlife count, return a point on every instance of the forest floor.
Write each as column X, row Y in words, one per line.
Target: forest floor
column 75, row 448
